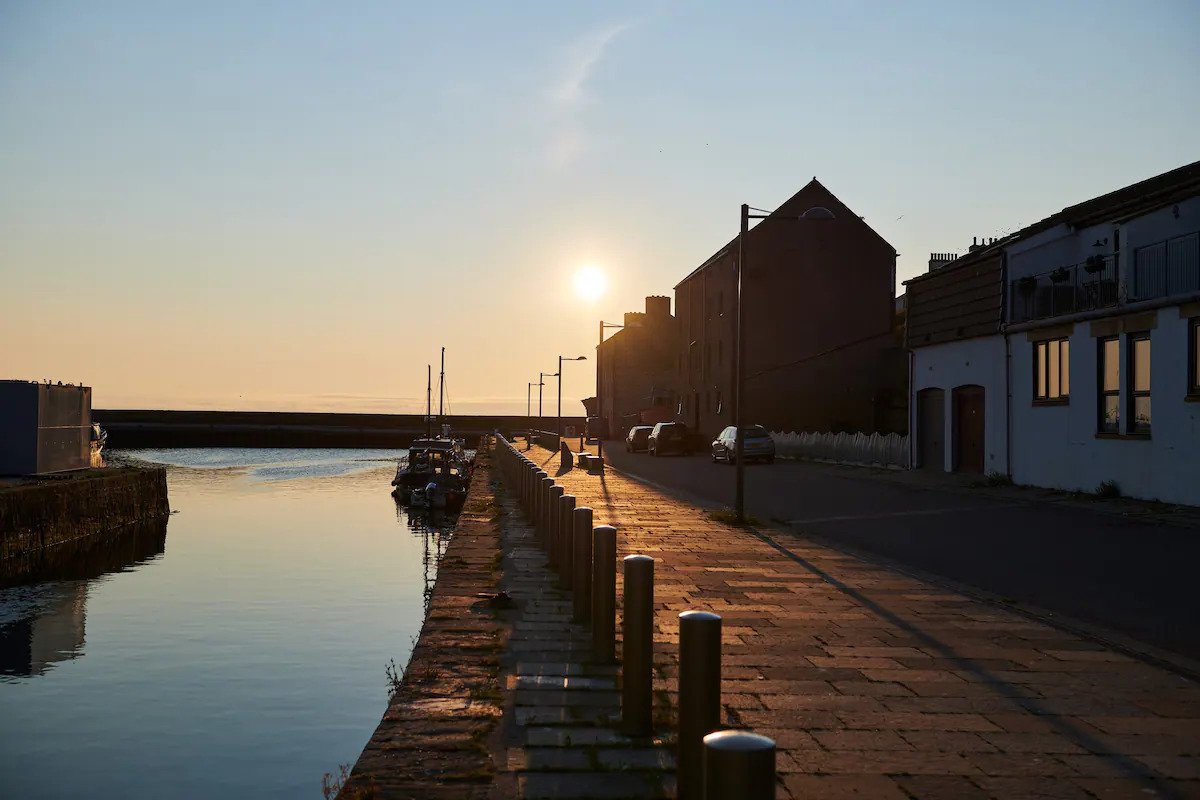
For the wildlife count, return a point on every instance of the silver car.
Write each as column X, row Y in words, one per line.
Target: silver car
column 757, row 444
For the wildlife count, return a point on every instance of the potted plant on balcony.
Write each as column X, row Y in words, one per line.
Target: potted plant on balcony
column 1026, row 285
column 1093, row 264
column 1059, row 275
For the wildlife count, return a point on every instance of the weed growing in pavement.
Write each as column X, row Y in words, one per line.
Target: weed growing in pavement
column 332, row 786
column 997, row 479
column 1108, row 489
column 729, row 517
column 395, row 678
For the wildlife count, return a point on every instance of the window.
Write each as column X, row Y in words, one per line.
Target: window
column 1110, row 385
column 1139, row 387
column 1052, row 370
column 1194, row 359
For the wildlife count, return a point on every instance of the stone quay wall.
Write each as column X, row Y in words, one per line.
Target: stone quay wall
column 50, row 512
column 441, row 725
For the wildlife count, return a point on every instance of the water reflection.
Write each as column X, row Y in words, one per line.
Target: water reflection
column 43, row 600
column 434, row 526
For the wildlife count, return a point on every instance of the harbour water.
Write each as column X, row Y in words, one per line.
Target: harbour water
column 240, row 652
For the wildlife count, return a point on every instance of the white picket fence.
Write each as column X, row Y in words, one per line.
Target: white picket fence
column 845, row 448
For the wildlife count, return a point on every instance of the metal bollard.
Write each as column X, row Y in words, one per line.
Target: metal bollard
column 699, row 696
column 739, row 764
column 581, row 556
column 565, row 539
column 604, row 593
column 543, row 498
column 530, row 500
column 552, row 512
column 637, row 655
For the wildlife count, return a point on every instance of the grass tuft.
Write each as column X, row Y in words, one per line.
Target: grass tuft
column 729, row 517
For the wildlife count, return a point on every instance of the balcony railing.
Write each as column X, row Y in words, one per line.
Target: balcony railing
column 1165, row 269
column 1085, row 286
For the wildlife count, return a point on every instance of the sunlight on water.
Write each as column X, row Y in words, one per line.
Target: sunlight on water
column 240, row 652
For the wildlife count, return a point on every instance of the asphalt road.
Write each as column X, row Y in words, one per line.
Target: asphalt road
column 1133, row 577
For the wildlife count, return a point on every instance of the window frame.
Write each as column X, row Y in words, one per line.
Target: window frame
column 1193, row 384
column 1133, row 393
column 1103, row 394
column 1041, row 372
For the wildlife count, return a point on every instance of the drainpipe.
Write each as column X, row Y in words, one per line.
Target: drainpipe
column 1008, row 467
column 912, row 405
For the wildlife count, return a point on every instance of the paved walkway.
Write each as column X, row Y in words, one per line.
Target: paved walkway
column 560, row 724
column 872, row 683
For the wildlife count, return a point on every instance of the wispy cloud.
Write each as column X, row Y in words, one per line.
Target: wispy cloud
column 568, row 94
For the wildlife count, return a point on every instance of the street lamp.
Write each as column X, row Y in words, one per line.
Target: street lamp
column 600, row 390
column 739, row 379
column 560, row 360
column 528, row 409
column 542, row 382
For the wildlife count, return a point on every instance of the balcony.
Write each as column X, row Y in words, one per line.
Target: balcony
column 1069, row 289
column 1166, row 269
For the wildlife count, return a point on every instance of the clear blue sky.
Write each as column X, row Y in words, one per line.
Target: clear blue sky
column 293, row 204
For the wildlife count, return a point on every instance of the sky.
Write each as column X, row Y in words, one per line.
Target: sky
column 294, row 205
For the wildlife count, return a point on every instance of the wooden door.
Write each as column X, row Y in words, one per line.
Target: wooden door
column 968, row 429
column 931, row 429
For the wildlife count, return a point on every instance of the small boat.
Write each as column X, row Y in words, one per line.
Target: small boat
column 99, row 437
column 437, row 470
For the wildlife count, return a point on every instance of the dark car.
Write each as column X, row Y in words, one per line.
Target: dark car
column 671, row 437
column 635, row 441
column 756, row 444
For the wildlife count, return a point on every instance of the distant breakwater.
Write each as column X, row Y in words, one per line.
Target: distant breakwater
column 155, row 428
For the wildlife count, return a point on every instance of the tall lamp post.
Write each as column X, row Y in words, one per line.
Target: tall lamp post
column 542, row 382
column 528, row 396
column 599, row 388
column 560, row 360
column 739, row 373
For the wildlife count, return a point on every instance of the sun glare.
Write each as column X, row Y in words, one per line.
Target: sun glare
column 590, row 283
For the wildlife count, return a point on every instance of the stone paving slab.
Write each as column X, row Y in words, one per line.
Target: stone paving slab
column 874, row 683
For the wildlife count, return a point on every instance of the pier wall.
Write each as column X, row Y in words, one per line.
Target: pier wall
column 439, row 731
column 40, row 516
column 153, row 428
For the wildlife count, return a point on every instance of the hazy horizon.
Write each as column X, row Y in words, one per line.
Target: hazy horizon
column 292, row 206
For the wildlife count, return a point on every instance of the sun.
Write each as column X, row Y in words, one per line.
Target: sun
column 590, row 283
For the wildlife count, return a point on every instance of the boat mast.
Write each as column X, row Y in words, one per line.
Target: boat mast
column 428, row 398
column 441, row 387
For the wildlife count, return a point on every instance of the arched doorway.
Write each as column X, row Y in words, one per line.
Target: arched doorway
column 968, row 429
column 931, row 429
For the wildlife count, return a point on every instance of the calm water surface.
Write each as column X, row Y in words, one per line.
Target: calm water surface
column 240, row 652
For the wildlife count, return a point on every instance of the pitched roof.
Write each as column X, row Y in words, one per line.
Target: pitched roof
column 1116, row 206
column 811, row 194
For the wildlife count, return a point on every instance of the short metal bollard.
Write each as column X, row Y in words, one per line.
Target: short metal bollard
column 540, row 491
column 699, row 696
column 552, row 513
column 637, row 654
column 604, row 593
column 581, row 553
column 543, row 503
column 739, row 764
column 565, row 539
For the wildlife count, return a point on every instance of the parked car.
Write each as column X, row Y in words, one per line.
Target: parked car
column 671, row 437
column 756, row 444
column 635, row 441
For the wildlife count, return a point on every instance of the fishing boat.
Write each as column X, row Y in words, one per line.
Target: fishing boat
column 437, row 470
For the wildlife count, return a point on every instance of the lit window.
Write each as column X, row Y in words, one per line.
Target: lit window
column 1110, row 385
column 1139, row 375
column 1052, row 368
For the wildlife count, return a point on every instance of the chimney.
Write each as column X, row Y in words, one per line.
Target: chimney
column 658, row 306
column 633, row 319
column 939, row 260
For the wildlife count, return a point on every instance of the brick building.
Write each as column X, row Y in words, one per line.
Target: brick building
column 823, row 348
column 635, row 368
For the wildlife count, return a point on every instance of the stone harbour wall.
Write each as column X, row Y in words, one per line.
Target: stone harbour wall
column 436, row 738
column 50, row 512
